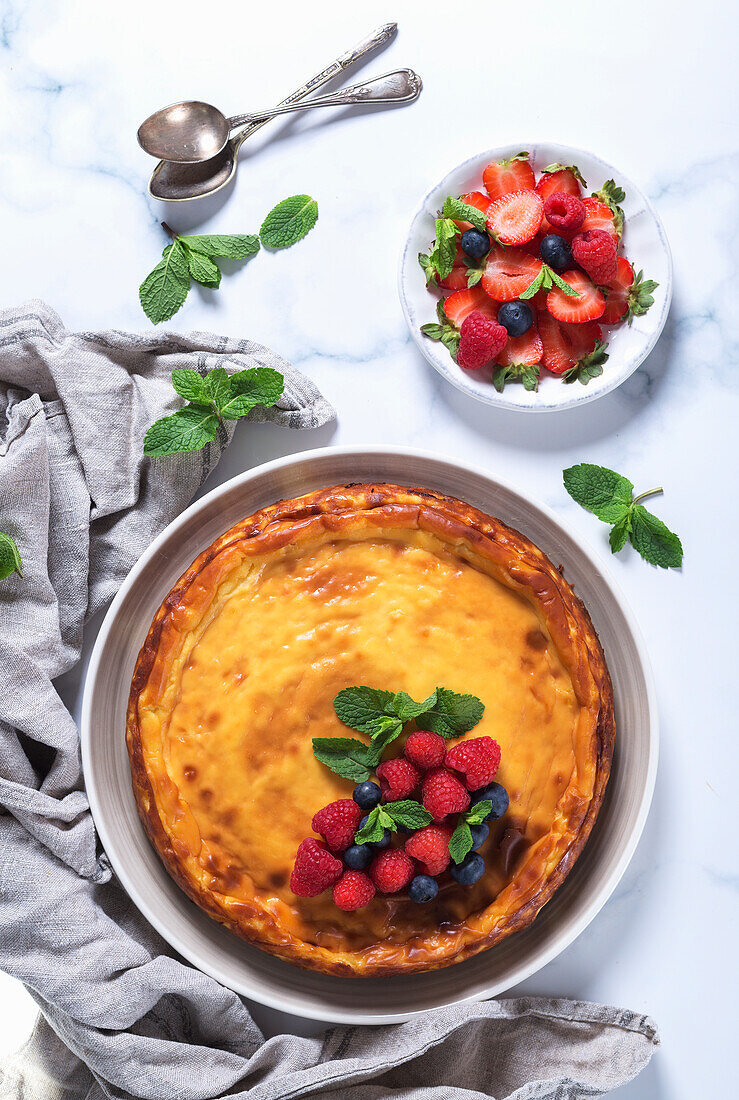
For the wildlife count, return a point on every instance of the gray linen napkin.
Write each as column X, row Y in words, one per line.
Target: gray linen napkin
column 121, row 1017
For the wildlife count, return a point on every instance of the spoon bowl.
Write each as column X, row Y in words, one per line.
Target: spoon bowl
column 185, row 133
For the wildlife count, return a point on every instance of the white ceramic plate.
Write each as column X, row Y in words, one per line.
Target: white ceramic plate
column 644, row 243
column 246, row 969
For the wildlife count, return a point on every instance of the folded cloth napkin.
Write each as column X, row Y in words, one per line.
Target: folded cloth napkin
column 121, row 1016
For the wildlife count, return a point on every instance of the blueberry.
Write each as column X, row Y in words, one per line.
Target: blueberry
column 475, row 244
column 423, row 888
column 497, row 795
column 367, row 795
column 358, row 856
column 555, row 251
column 515, row 317
column 375, row 843
column 469, row 870
column 479, row 835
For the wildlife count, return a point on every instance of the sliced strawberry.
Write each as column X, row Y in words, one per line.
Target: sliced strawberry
column 502, row 177
column 515, row 218
column 588, row 306
column 460, row 304
column 598, row 216
column 564, row 180
column 565, row 345
column 617, row 299
column 508, row 272
column 456, row 279
column 526, row 349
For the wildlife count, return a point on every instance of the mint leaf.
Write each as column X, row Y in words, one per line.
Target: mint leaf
column 165, row 288
column 452, row 714
column 407, row 709
column 559, row 282
column 216, row 385
column 359, row 707
column 620, row 533
column 462, row 212
column 289, row 221
column 536, row 285
column 656, row 543
column 187, row 430
column 382, row 731
column 460, row 842
column 600, row 490
column 10, row 558
column 249, row 388
column 409, row 813
column 373, row 830
column 232, row 246
column 189, row 384
column 203, row 270
column 477, row 813
column 444, row 250
column 345, row 756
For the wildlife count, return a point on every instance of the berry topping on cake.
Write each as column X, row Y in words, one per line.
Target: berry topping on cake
column 391, row 870
column 430, row 846
column 480, row 834
column 314, row 870
column 515, row 218
column 367, row 795
column 477, row 760
column 596, row 252
column 422, row 888
column 337, row 823
column 496, row 794
column 398, row 778
column 503, row 176
column 359, row 856
column 587, row 304
column 425, row 749
column 443, row 794
column 564, row 211
column 354, row 890
column 384, row 840
column 555, row 251
column 481, row 339
column 470, row 870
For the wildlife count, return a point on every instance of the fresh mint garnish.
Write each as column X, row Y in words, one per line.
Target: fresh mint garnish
column 610, row 497
column 438, row 262
column 10, row 559
column 345, row 756
column 545, row 280
column 452, row 714
column 444, row 330
column 591, row 366
column 460, row 842
column 213, row 398
column 461, row 211
column 389, row 815
column 526, row 373
column 289, row 221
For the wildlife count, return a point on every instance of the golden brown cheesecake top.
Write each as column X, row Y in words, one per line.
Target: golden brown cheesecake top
column 374, row 585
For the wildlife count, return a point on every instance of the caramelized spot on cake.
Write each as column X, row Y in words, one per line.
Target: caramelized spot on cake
column 206, row 795
column 536, row 640
column 190, row 772
column 278, row 879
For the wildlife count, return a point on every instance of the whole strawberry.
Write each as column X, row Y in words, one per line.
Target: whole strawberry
column 398, row 779
column 314, row 870
column 443, row 793
column 480, row 340
column 425, row 749
column 337, row 823
column 391, row 870
column 430, row 846
column 597, row 254
column 477, row 760
column 354, row 890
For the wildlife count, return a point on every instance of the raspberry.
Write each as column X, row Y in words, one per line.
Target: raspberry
column 477, row 759
column 596, row 252
column 397, row 778
column 481, row 339
column 564, row 211
column 430, row 846
column 442, row 794
column 337, row 823
column 425, row 749
column 354, row 890
column 391, row 870
column 314, row 870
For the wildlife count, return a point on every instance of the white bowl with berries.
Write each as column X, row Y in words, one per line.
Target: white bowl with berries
column 535, row 278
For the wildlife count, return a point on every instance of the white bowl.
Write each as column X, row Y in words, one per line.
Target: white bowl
column 246, row 969
column 644, row 244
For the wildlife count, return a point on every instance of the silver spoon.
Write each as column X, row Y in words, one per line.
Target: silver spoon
column 191, row 132
column 184, row 182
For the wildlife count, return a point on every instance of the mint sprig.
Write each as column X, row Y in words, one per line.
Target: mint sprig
column 610, row 497
column 10, row 558
column 212, row 399
column 460, row 842
column 289, row 221
column 545, row 280
column 412, row 815
column 444, row 331
column 438, row 262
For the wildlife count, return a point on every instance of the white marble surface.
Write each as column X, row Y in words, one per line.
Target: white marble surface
column 650, row 87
